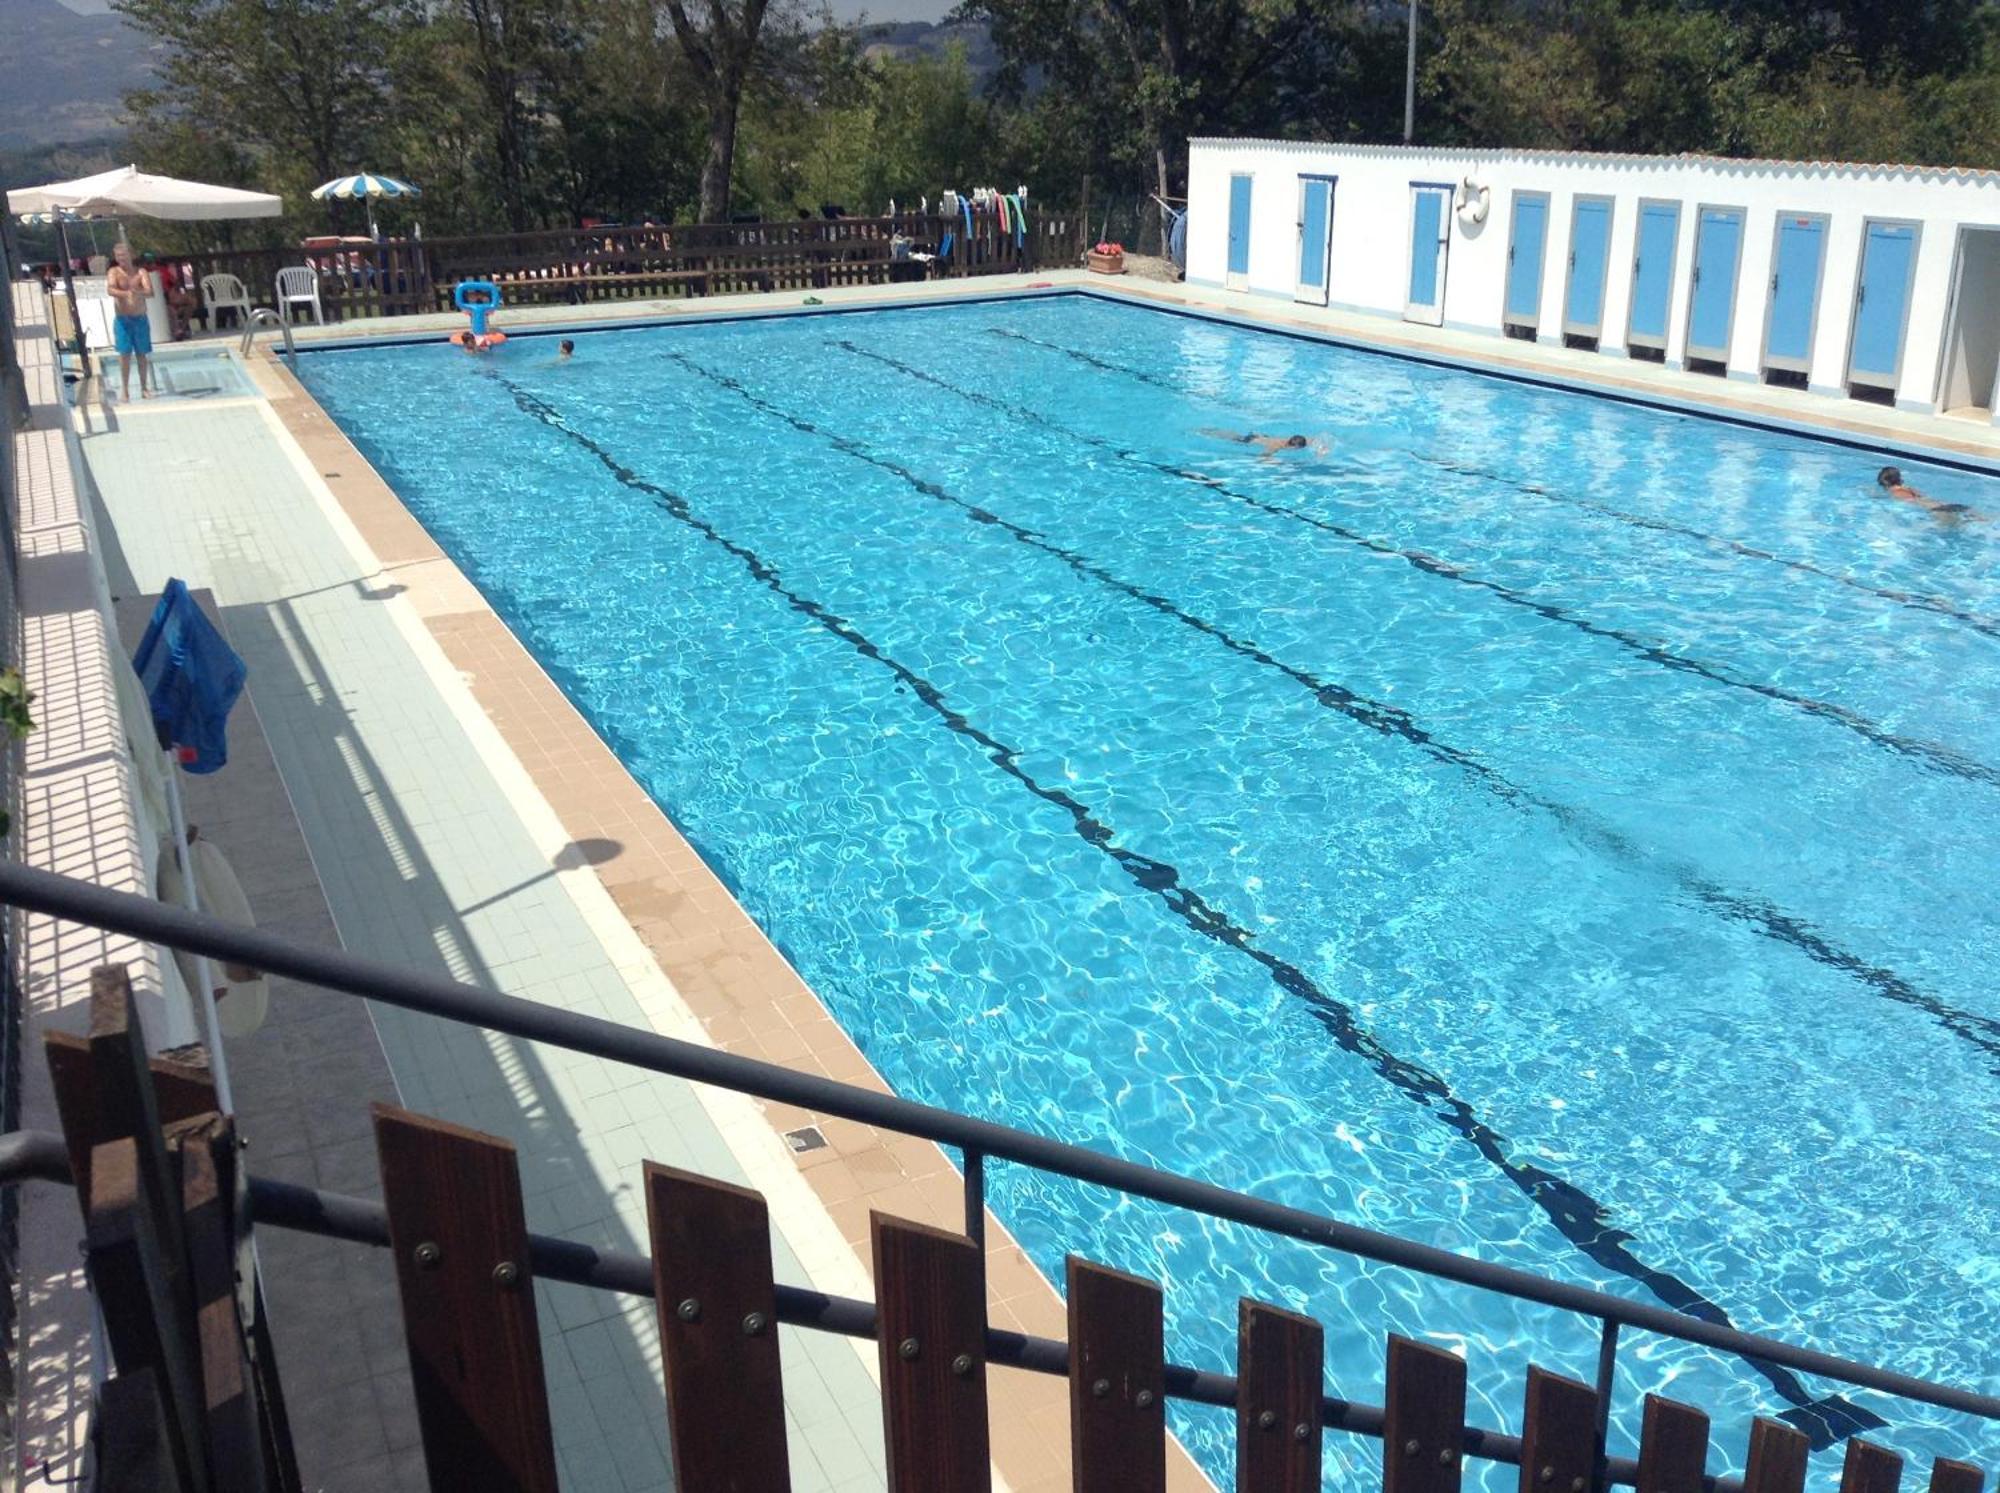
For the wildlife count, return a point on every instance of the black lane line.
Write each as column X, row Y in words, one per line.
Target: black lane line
column 1931, row 754
column 1915, row 600
column 1760, row 916
column 1581, row 1219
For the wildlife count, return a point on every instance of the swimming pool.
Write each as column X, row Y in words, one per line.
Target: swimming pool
column 1550, row 829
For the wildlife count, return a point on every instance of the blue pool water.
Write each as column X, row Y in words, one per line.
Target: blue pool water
column 1553, row 830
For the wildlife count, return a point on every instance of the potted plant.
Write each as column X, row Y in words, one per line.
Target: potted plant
column 1107, row 259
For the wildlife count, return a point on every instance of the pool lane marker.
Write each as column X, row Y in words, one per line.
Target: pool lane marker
column 1759, row 915
column 1575, row 1213
column 1915, row 600
column 1928, row 753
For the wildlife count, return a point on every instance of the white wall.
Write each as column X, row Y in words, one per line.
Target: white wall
column 1971, row 361
column 1371, row 236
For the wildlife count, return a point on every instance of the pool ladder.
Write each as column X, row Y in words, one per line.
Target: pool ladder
column 264, row 316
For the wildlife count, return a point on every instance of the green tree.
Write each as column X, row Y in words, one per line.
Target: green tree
column 518, row 53
column 721, row 45
column 1142, row 76
column 300, row 87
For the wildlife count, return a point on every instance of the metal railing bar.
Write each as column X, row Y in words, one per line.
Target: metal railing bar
column 1607, row 1369
column 35, row 890
column 33, row 1156
column 38, row 1155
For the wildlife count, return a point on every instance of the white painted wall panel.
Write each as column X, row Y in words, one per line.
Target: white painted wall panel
column 1371, row 236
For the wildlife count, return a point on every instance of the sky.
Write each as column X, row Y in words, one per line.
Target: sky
column 846, row 10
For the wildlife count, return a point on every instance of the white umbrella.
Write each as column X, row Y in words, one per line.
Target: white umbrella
column 128, row 191
column 365, row 184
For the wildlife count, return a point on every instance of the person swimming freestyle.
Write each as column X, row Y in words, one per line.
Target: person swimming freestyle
column 1890, row 480
column 1270, row 446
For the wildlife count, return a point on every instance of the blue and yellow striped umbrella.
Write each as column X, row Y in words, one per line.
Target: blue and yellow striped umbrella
column 364, row 185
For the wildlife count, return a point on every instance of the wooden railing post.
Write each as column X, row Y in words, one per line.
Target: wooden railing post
column 1280, row 1366
column 718, row 1318
column 132, row 1436
column 235, row 1423
column 1777, row 1461
column 931, row 1335
column 1673, row 1447
column 132, row 1273
column 461, row 1245
column 1558, row 1435
column 1869, row 1468
column 1423, row 1419
column 1117, row 1380
column 1948, row 1476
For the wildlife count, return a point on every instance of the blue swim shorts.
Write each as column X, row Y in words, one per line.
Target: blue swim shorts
column 133, row 334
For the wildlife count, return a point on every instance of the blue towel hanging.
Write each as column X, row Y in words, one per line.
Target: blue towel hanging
column 192, row 679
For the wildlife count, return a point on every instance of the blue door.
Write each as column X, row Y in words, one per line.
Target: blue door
column 1653, row 273
column 1239, row 228
column 1888, row 254
column 1524, row 260
column 1429, row 243
column 1795, row 267
column 1718, row 248
column 1315, row 237
column 1589, row 252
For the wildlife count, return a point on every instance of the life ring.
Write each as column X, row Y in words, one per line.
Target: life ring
column 245, row 994
column 1473, row 202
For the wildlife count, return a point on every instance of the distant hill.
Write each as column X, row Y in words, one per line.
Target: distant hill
column 62, row 75
column 934, row 39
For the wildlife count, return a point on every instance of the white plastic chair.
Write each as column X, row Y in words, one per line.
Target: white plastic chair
column 298, row 284
column 224, row 292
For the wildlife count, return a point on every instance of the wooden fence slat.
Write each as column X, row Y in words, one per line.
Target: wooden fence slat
column 131, row 1435
column 460, row 1240
column 284, row 1460
column 1558, row 1435
column 235, row 1423
column 1948, row 1476
column 125, row 1255
column 1117, row 1381
column 1870, row 1468
column 1777, row 1462
column 1280, row 1368
column 1423, row 1419
column 181, row 1090
column 718, row 1332
column 1673, row 1447
column 931, row 1334
column 126, row 1105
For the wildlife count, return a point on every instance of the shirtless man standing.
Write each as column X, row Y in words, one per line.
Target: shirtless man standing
column 129, row 290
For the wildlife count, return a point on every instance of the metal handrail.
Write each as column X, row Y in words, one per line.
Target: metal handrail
column 36, row 1155
column 35, row 890
column 264, row 316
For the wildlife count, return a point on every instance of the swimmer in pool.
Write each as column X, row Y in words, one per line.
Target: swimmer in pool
column 1891, row 482
column 1269, row 445
column 564, row 349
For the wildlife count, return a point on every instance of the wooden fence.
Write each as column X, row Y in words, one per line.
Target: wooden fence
column 194, row 1406
column 589, row 265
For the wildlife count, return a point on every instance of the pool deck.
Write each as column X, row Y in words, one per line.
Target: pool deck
column 459, row 815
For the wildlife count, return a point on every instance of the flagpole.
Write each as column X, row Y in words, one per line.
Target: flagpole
column 69, row 289
column 204, row 999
